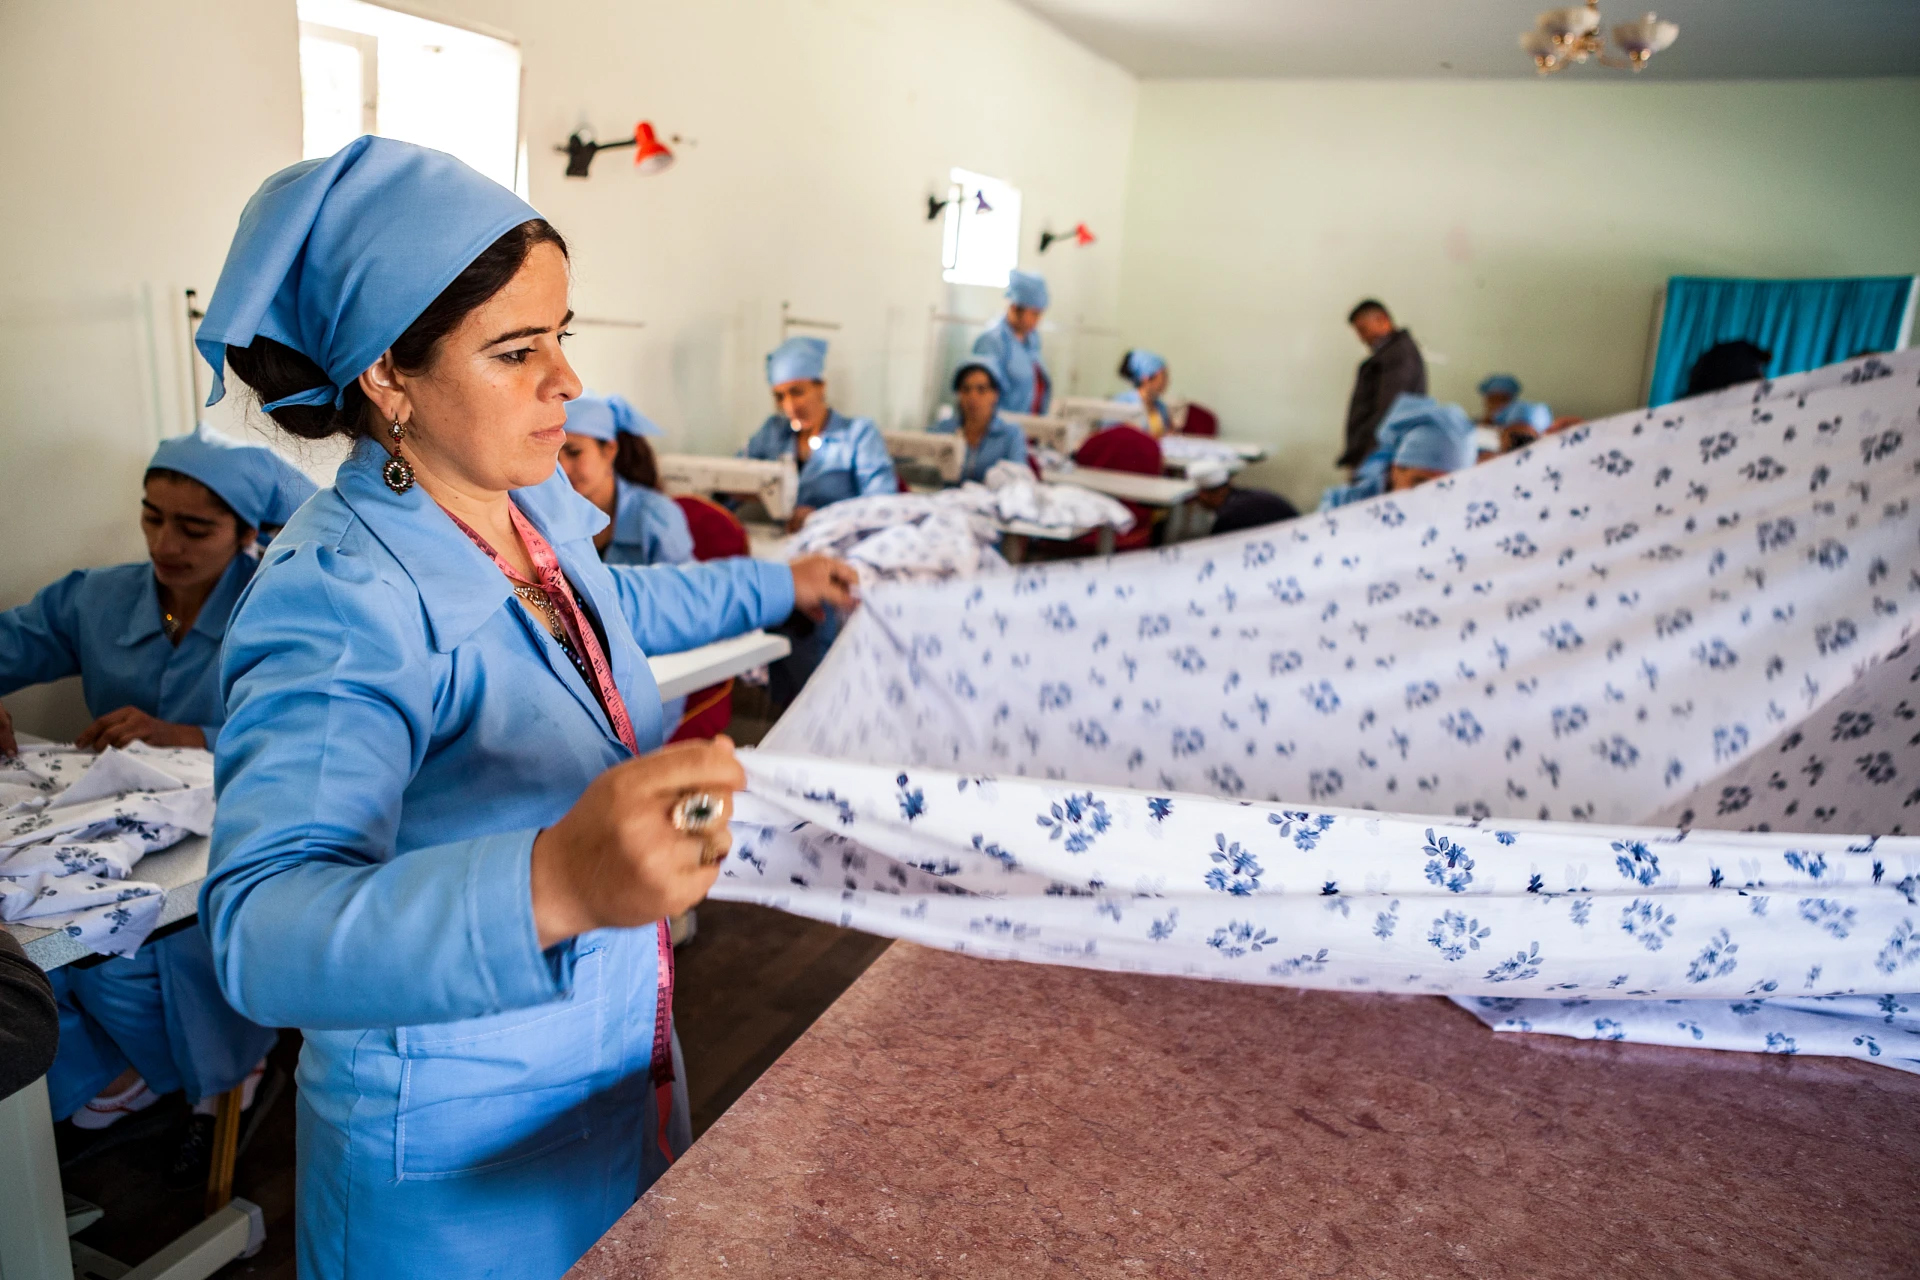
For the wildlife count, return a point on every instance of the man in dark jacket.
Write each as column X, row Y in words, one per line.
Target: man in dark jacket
column 1394, row 367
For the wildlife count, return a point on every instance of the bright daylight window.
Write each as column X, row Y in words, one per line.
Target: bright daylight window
column 982, row 240
column 365, row 69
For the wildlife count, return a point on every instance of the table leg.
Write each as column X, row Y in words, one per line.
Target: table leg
column 33, row 1216
column 226, row 1143
column 1176, row 524
column 1014, row 547
column 1105, row 540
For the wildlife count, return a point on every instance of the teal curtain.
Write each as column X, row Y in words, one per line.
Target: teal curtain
column 1804, row 323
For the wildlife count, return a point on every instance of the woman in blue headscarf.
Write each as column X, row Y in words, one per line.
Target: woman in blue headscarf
column 990, row 437
column 1519, row 420
column 144, row 638
column 839, row 457
column 1445, row 432
column 610, row 464
column 446, row 841
column 1148, row 374
column 1014, row 340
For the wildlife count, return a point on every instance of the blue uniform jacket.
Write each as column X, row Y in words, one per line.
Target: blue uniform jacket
column 103, row 625
column 850, row 462
column 648, row 527
column 1020, row 360
column 1003, row 442
column 399, row 729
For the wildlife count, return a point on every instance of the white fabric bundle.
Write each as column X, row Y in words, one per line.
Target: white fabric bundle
column 1197, row 449
column 73, row 824
column 1012, row 494
column 1697, row 615
column 908, row 536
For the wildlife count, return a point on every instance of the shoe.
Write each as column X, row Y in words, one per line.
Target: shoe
column 109, row 1109
column 192, row 1160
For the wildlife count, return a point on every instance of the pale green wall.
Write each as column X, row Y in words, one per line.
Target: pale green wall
column 1520, row 226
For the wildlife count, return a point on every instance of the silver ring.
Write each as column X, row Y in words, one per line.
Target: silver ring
column 695, row 813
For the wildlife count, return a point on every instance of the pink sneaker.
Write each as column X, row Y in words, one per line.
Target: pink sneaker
column 111, row 1108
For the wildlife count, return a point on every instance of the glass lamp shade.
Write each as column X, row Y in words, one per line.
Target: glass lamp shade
column 1569, row 23
column 1538, row 44
column 1647, row 36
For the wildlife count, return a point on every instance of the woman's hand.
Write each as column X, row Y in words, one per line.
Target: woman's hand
column 798, row 518
column 617, row 861
column 130, row 724
column 820, row 581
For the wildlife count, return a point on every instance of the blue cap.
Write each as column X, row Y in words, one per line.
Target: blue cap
column 986, row 362
column 336, row 257
column 1025, row 289
column 1528, row 412
column 1142, row 364
column 797, row 358
column 261, row 486
column 602, row 417
column 1500, row 384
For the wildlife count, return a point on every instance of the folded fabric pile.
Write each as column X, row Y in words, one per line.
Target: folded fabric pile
column 909, row 536
column 1197, row 449
column 73, row 824
column 1012, row 494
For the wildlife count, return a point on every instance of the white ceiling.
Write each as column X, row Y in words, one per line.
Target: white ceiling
column 1719, row 39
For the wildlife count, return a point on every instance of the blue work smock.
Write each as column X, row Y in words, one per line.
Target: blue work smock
column 1003, row 442
column 850, row 462
column 158, row 1010
column 1028, row 387
column 104, row 625
column 648, row 527
column 399, row 730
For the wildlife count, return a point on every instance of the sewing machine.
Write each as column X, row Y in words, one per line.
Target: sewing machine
column 776, row 482
column 1061, row 434
column 945, row 455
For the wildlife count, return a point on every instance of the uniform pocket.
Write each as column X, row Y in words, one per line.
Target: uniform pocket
column 491, row 1092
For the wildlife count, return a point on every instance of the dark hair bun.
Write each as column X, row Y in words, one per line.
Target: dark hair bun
column 275, row 370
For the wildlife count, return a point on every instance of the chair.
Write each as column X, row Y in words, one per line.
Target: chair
column 1122, row 448
column 1198, row 420
column 717, row 535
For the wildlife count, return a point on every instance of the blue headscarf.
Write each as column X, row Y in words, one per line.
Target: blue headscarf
column 602, row 417
column 1500, row 384
column 1530, row 412
column 1142, row 364
column 336, row 257
column 797, row 358
column 1436, row 439
column 1025, row 289
column 261, row 486
column 987, row 363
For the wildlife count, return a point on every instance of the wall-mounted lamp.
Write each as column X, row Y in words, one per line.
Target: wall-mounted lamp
column 935, row 204
column 1079, row 235
column 650, row 154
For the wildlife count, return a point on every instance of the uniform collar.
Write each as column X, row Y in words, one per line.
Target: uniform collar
column 460, row 588
column 629, row 511
column 144, row 620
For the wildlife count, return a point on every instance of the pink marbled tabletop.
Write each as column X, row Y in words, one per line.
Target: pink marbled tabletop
column 960, row 1117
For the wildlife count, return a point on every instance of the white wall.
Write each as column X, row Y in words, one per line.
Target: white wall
column 134, row 134
column 821, row 128
column 1517, row 226
column 137, row 132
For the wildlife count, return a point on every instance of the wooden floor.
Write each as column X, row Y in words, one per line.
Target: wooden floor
column 747, row 985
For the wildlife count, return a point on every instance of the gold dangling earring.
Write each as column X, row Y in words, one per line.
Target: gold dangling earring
column 398, row 473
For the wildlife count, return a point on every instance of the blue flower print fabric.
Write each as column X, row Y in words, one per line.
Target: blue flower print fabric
column 1670, row 631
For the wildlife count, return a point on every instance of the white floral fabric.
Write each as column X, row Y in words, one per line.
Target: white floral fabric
column 1693, row 617
column 73, row 824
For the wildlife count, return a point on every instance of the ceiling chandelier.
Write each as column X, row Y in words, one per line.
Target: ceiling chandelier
column 1562, row 37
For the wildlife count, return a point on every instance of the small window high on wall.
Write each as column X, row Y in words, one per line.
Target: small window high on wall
column 982, row 240
column 367, row 69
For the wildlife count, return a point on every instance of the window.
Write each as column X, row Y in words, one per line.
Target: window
column 981, row 244
column 366, row 69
